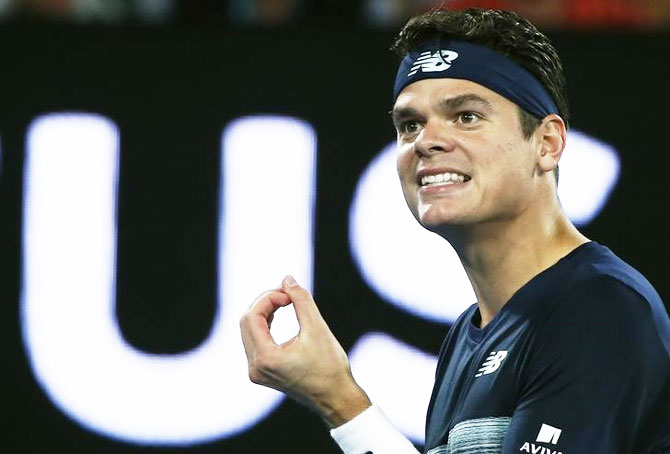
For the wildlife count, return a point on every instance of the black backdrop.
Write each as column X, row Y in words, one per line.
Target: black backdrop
column 172, row 91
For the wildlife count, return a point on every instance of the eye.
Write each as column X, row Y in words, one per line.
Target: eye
column 409, row 127
column 468, row 117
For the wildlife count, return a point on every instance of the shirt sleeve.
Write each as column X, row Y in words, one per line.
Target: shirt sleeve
column 371, row 433
column 595, row 379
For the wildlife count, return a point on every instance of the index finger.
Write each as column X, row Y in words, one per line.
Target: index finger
column 255, row 324
column 305, row 307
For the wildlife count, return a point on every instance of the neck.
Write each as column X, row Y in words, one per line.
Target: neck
column 500, row 257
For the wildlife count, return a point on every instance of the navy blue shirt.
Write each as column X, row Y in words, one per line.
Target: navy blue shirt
column 577, row 361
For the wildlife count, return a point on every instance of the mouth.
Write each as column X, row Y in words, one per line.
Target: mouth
column 444, row 178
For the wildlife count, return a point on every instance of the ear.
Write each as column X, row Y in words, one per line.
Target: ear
column 550, row 137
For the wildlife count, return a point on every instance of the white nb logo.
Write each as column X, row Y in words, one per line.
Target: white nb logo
column 430, row 62
column 492, row 363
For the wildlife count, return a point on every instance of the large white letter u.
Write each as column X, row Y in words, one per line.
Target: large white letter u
column 69, row 247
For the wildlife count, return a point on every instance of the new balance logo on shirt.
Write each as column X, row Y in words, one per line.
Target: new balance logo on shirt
column 430, row 62
column 492, row 362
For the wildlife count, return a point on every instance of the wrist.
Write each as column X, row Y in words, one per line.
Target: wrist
column 345, row 407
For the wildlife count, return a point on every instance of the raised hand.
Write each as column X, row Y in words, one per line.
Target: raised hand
column 312, row 367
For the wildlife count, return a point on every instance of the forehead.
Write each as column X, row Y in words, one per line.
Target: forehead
column 427, row 92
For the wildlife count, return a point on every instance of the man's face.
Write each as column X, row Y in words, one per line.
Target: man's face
column 462, row 157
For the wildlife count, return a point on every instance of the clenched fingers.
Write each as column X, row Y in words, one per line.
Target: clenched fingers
column 255, row 323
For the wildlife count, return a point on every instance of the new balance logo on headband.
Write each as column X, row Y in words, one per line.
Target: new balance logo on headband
column 430, row 62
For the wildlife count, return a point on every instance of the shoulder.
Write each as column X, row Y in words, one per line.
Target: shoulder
column 606, row 315
column 605, row 328
column 596, row 265
column 597, row 355
column 603, row 291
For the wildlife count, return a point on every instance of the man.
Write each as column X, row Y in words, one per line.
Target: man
column 568, row 348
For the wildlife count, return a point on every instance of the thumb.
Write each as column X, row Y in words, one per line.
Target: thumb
column 305, row 308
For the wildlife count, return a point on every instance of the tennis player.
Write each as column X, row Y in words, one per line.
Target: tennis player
column 567, row 349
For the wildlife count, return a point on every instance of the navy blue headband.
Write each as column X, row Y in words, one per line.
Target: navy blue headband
column 464, row 60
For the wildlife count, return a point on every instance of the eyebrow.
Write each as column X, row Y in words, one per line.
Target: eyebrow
column 404, row 112
column 458, row 101
column 453, row 103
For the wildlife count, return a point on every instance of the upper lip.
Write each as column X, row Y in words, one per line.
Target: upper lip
column 438, row 170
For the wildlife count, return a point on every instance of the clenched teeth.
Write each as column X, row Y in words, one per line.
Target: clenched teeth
column 443, row 178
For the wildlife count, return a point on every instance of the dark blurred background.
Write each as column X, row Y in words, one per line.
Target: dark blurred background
column 172, row 74
column 383, row 14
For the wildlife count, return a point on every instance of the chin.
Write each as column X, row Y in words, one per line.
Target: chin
column 435, row 215
column 440, row 223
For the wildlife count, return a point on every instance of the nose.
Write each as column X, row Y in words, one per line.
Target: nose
column 434, row 138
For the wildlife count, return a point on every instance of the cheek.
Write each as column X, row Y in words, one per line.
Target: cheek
column 510, row 173
column 519, row 161
column 405, row 165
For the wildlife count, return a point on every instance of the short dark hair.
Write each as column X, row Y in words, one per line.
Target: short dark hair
column 503, row 31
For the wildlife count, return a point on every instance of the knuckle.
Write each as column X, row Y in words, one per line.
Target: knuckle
column 255, row 366
column 254, row 376
column 259, row 370
column 254, row 373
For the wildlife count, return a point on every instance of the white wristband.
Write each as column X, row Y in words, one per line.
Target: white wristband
column 371, row 432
